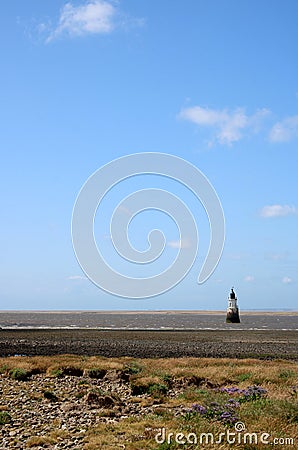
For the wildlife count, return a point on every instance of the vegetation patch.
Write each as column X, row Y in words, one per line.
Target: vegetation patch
column 96, row 373
column 285, row 374
column 157, row 389
column 66, row 371
column 4, row 417
column 56, row 373
column 20, row 374
column 49, row 395
column 133, row 368
column 244, row 376
column 147, row 385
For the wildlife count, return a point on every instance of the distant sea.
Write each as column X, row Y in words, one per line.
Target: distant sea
column 147, row 320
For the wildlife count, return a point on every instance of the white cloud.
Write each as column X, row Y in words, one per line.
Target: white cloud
column 278, row 211
column 229, row 126
column 184, row 243
column 238, row 256
column 285, row 130
column 277, row 256
column 249, row 278
column 93, row 17
column 77, row 277
column 287, row 280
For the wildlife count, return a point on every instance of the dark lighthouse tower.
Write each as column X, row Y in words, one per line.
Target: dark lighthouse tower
column 232, row 310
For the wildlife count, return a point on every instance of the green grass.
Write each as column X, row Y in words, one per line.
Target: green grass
column 4, row 417
column 19, row 374
column 244, row 376
column 57, row 373
column 286, row 374
column 133, row 368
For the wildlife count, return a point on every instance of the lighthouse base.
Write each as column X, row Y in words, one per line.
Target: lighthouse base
column 233, row 316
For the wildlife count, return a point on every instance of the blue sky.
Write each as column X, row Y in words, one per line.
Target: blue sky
column 215, row 83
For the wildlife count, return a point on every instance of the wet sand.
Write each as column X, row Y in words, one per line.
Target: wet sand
column 262, row 344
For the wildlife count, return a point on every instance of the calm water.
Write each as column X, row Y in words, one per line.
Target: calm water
column 148, row 320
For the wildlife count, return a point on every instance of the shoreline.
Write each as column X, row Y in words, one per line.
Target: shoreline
column 166, row 311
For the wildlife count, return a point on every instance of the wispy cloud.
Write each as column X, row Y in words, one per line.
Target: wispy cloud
column 184, row 243
column 278, row 211
column 249, row 278
column 278, row 257
column 228, row 126
column 287, row 280
column 285, row 130
column 238, row 256
column 91, row 17
column 77, row 277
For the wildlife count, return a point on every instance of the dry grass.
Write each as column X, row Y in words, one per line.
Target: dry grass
column 276, row 413
column 220, row 370
column 41, row 441
column 48, row 364
column 52, row 438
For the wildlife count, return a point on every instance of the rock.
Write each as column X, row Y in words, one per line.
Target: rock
column 72, row 371
column 194, row 380
column 113, row 375
column 102, row 401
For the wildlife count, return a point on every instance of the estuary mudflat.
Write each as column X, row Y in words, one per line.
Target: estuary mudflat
column 151, row 344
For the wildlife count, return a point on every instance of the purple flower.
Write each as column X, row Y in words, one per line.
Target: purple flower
column 232, row 390
column 199, row 409
column 253, row 393
column 232, row 404
column 228, row 418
